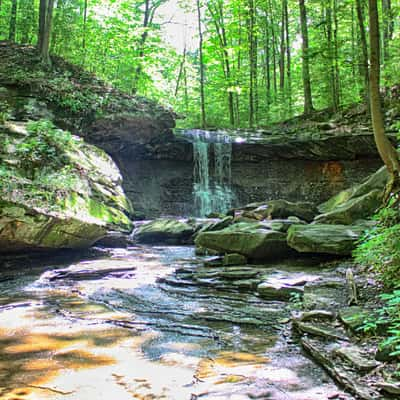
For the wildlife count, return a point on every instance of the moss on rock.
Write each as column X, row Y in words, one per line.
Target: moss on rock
column 45, row 208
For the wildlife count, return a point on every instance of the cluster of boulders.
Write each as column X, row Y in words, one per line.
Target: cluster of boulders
column 278, row 228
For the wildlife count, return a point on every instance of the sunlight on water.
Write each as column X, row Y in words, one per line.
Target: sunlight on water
column 107, row 329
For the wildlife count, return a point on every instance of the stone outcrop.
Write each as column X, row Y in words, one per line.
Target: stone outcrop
column 324, row 238
column 168, row 231
column 252, row 240
column 41, row 209
column 358, row 202
column 278, row 209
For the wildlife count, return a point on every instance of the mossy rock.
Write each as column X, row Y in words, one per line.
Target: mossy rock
column 71, row 208
column 324, row 238
column 251, row 240
column 168, row 231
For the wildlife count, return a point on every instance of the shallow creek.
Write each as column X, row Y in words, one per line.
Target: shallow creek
column 132, row 325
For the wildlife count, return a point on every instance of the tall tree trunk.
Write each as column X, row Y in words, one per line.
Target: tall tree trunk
column 201, row 61
column 282, row 52
column 331, row 57
column 85, row 9
column 146, row 22
column 181, row 71
column 273, row 34
column 217, row 12
column 308, row 104
column 388, row 25
column 267, row 67
column 13, row 21
column 353, row 44
column 253, row 61
column 364, row 48
column 45, row 23
column 386, row 150
column 336, row 55
column 288, row 58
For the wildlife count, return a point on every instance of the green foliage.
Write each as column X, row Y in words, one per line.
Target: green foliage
column 44, row 147
column 295, row 301
column 386, row 321
column 380, row 247
column 37, row 168
column 115, row 40
column 4, row 112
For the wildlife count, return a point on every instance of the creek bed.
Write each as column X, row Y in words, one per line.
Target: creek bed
column 133, row 325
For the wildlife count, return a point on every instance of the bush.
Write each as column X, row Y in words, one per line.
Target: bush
column 44, row 147
column 379, row 248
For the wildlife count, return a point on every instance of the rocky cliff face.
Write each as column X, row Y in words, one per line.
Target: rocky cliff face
column 159, row 176
column 56, row 191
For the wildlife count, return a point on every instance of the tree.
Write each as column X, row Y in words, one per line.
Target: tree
column 150, row 8
column 364, row 54
column 308, row 103
column 201, row 62
column 386, row 150
column 13, row 21
column 45, row 22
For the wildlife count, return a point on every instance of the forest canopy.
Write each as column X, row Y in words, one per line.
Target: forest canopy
column 250, row 62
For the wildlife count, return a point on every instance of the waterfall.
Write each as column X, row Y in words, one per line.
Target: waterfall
column 212, row 176
column 201, row 183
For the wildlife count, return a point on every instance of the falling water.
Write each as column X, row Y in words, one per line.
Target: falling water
column 212, row 176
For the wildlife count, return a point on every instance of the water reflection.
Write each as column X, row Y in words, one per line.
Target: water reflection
column 109, row 328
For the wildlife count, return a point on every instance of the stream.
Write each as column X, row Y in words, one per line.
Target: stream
column 148, row 323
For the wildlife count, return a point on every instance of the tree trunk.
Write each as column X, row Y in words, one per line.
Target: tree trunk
column 388, row 25
column 45, row 22
column 282, row 53
column 386, row 150
column 308, row 105
column 273, row 34
column 288, row 59
column 201, row 61
column 217, row 14
column 364, row 48
column 13, row 21
column 85, row 8
column 252, row 60
column 181, row 71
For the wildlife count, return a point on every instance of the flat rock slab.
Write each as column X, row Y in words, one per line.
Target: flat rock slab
column 324, row 238
column 169, row 231
column 321, row 330
column 324, row 294
column 357, row 358
column 323, row 353
column 277, row 287
column 251, row 240
column 353, row 317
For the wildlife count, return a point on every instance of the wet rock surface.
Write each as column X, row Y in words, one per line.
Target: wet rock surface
column 165, row 231
column 154, row 322
column 252, row 240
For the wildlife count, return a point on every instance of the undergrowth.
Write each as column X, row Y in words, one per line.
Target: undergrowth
column 379, row 249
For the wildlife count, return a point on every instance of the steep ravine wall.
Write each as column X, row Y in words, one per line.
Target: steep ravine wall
column 159, row 179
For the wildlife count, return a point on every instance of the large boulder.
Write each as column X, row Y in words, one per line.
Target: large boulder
column 252, row 240
column 325, row 238
column 56, row 191
column 278, row 209
column 354, row 209
column 169, row 231
column 358, row 202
